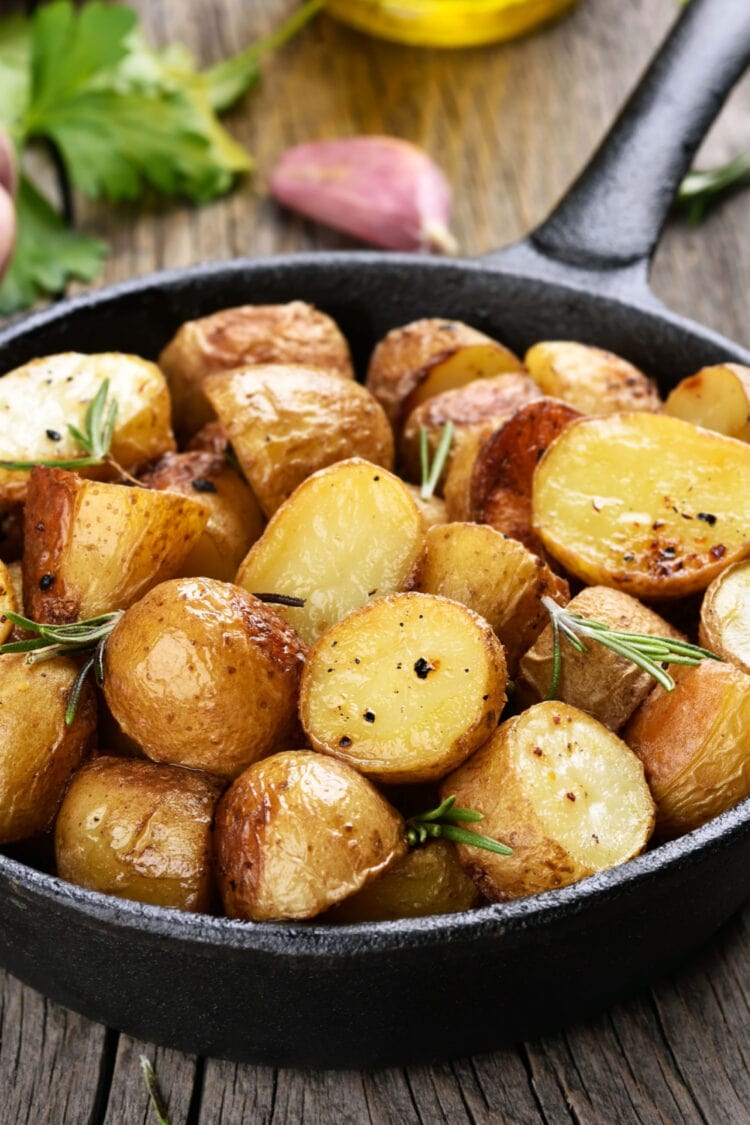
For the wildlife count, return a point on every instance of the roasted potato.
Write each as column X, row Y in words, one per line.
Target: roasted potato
column 694, row 743
column 61, row 388
column 717, row 398
column 478, row 407
column 140, row 831
column 432, row 508
column 562, row 791
column 201, row 674
column 428, row 880
column 498, row 489
column 287, row 421
column 348, row 534
column 590, row 379
column 8, row 601
column 299, row 832
column 405, row 688
column 426, row 357
column 644, row 502
column 233, row 517
column 599, row 681
column 93, row 547
column 725, row 616
column 238, row 337
column 496, row 577
column 38, row 750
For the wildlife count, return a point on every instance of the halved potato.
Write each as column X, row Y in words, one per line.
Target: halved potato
column 592, row 380
column 350, row 533
column 61, row 388
column 432, row 509
column 498, row 489
column 725, row 616
column 200, row 674
column 299, row 832
column 426, row 357
column 694, row 743
column 428, row 880
column 287, row 421
column 496, row 577
column 717, row 398
column 92, row 547
column 562, row 791
column 404, row 689
column 233, row 517
column 291, row 333
column 140, row 831
column 599, row 681
column 478, row 407
column 644, row 502
column 8, row 601
column 38, row 750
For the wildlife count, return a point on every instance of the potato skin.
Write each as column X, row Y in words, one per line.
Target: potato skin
column 201, row 674
column 234, row 519
column 140, row 831
column 694, row 743
column 725, row 616
column 597, row 681
column 286, row 421
column 299, row 832
column 38, row 757
column 716, row 397
column 591, row 379
column 291, row 333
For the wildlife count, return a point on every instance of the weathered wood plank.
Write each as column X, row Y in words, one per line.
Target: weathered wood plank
column 128, row 1099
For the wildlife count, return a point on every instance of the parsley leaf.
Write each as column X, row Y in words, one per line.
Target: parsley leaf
column 702, row 187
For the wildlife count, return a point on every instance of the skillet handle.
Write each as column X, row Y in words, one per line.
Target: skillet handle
column 612, row 216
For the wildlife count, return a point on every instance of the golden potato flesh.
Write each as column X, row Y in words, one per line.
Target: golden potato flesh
column 496, row 577
column 350, row 533
column 562, row 791
column 644, row 502
column 291, row 333
column 694, row 743
column 93, row 548
column 201, row 674
column 599, row 681
column 8, row 601
column 140, row 831
column 725, row 616
column 299, row 832
column 430, row 356
column 592, row 380
column 285, row 422
column 61, row 388
column 38, row 751
column 478, row 407
column 404, row 689
column 432, row 509
column 428, row 880
column 233, row 517
column 717, row 398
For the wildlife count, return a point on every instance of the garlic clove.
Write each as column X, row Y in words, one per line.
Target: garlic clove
column 381, row 190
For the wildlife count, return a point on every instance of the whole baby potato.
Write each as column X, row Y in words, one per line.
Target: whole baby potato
column 202, row 674
column 299, row 832
column 38, row 751
column 139, row 830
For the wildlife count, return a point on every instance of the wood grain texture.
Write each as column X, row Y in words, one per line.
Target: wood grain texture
column 511, row 125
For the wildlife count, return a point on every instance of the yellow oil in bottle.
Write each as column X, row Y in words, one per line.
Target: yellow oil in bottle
column 447, row 23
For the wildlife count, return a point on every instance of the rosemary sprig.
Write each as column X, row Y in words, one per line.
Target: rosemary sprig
column 154, row 1093
column 431, row 473
column 700, row 188
column 95, row 438
column 444, row 823
column 647, row 652
column 79, row 637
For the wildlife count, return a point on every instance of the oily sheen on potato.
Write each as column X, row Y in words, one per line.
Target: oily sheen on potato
column 350, row 533
column 404, row 689
column 647, row 503
column 562, row 791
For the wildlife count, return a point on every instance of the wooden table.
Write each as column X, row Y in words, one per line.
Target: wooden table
column 511, row 125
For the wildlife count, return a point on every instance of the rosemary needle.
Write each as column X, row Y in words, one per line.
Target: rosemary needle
column 431, row 473
column 444, row 822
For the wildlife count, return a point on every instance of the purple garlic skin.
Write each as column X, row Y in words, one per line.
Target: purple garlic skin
column 7, row 210
column 382, row 190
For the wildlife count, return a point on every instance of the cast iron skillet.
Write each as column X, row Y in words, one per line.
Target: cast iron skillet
column 375, row 994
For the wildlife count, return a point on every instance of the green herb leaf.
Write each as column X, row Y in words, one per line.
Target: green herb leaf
column 48, row 253
column 701, row 188
column 15, row 71
column 444, row 822
column 431, row 473
column 154, row 1093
